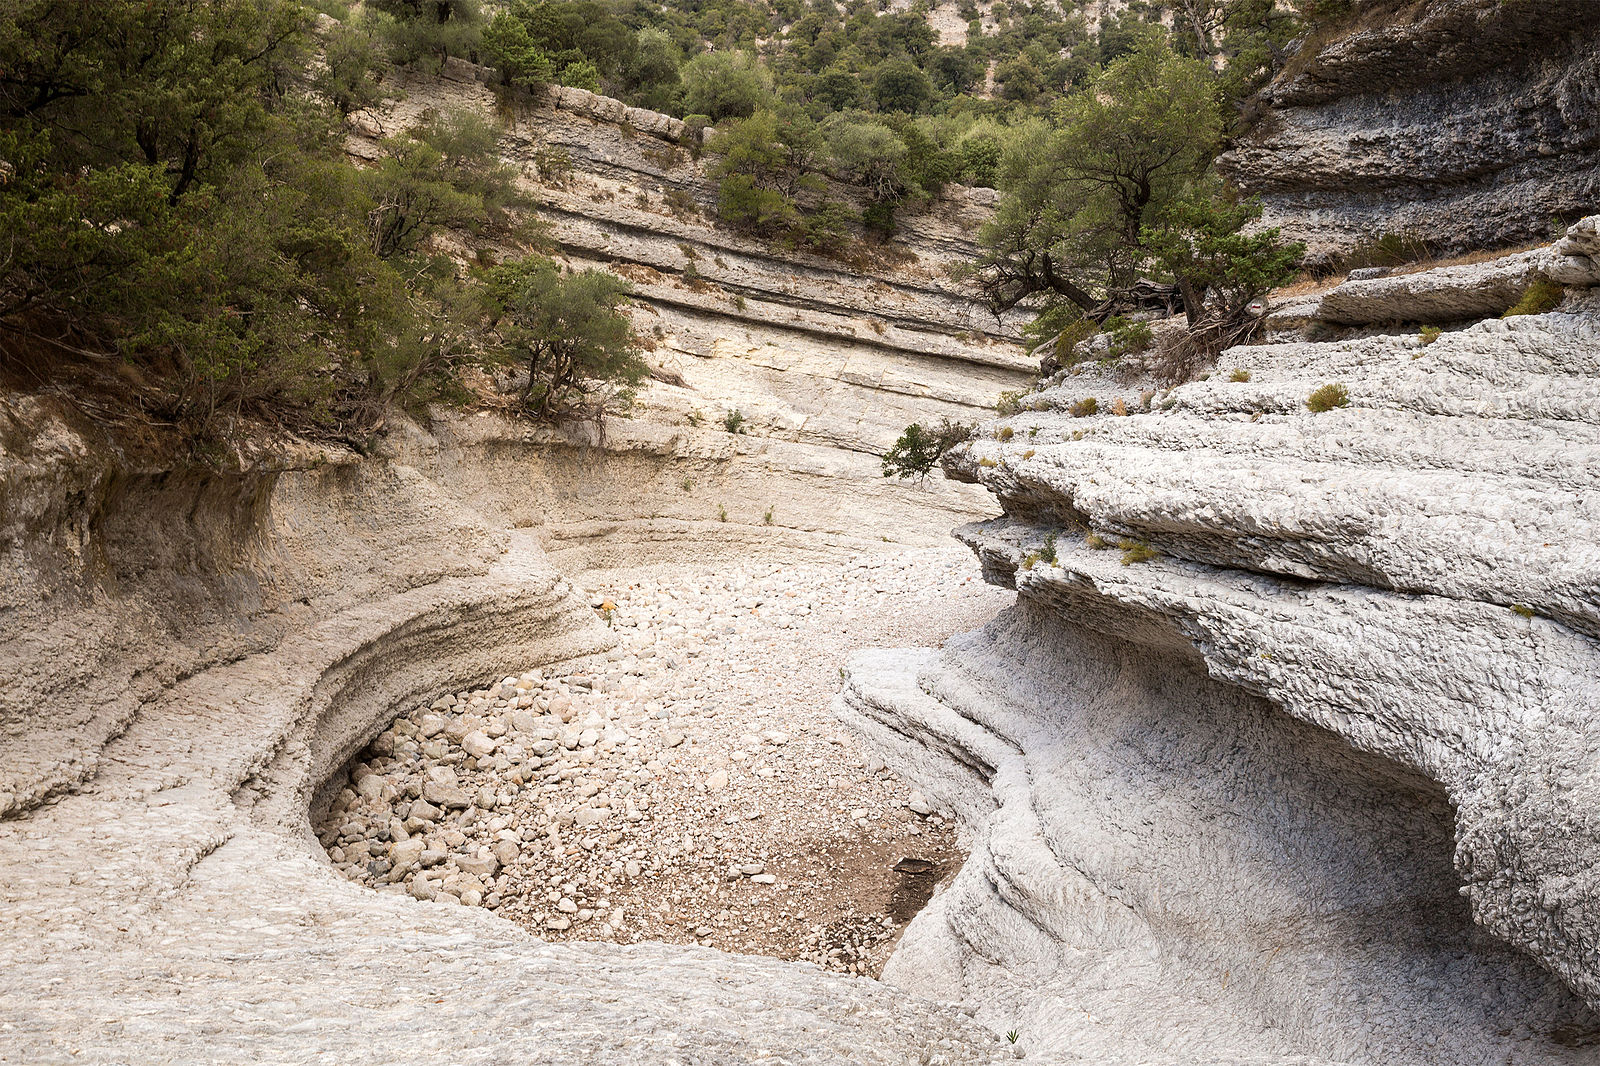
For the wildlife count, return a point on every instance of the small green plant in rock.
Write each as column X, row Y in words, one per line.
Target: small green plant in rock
column 1006, row 433
column 1084, row 408
column 1430, row 334
column 687, row 484
column 917, row 451
column 1239, row 375
column 1009, row 403
column 1327, row 398
column 1136, row 551
column 1013, row 1036
column 722, row 513
column 1537, row 298
column 766, row 519
column 1048, row 553
column 1521, row 610
column 733, row 421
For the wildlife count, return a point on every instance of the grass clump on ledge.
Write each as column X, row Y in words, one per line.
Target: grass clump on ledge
column 1430, row 334
column 1239, row 375
column 1136, row 551
column 1327, row 398
column 1537, row 298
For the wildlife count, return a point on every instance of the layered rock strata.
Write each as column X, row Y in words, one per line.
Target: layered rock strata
column 1287, row 750
column 1461, row 123
column 841, row 353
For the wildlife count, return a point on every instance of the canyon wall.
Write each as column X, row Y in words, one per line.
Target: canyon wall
column 1287, row 750
column 188, row 650
column 187, row 653
column 1460, row 123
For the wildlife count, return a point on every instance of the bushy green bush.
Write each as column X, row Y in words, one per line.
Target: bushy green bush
column 917, row 451
column 569, row 332
column 1327, row 398
column 726, row 85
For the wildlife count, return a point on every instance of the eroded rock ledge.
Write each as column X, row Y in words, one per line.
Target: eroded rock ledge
column 186, row 654
column 1288, row 747
column 1465, row 123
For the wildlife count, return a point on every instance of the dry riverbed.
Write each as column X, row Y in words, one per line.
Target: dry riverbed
column 691, row 786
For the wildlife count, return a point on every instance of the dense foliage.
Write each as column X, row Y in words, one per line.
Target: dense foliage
column 177, row 215
column 1116, row 192
column 176, row 208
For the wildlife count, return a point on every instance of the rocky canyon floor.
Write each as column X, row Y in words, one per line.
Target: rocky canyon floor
column 689, row 786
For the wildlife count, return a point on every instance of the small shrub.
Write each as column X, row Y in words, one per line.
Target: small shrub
column 1048, row 552
column 1013, row 1036
column 1521, row 610
column 681, row 203
column 1084, row 408
column 1097, row 543
column 1537, row 298
column 766, row 519
column 1128, row 338
column 1030, row 560
column 1239, row 375
column 1430, row 334
column 738, row 302
column 987, row 464
column 1327, row 398
column 733, row 421
column 722, row 513
column 915, row 453
column 553, row 163
column 1136, row 551
column 1119, row 408
column 1009, row 403
column 1028, row 454
column 1007, row 433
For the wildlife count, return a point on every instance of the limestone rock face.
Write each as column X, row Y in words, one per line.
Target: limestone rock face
column 1466, row 123
column 1446, row 294
column 1281, row 687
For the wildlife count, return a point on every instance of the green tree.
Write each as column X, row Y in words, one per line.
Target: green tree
column 917, row 451
column 177, row 207
column 1080, row 191
column 421, row 29
column 868, row 153
column 353, row 62
column 571, row 334
column 515, row 54
column 725, row 85
column 899, row 85
column 652, row 78
column 445, row 173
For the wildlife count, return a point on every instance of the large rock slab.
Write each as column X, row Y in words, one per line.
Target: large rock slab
column 1281, row 686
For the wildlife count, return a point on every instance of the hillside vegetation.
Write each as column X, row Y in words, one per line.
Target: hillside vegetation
column 180, row 218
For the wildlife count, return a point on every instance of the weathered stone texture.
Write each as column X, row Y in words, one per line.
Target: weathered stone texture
column 1348, row 699
column 1464, row 123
